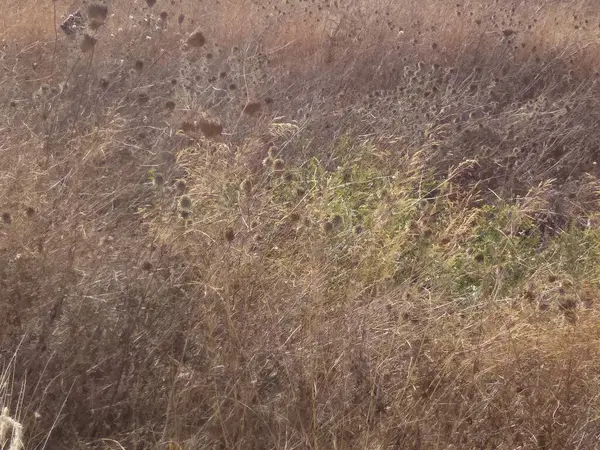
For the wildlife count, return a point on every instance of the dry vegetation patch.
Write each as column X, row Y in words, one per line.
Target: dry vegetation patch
column 329, row 224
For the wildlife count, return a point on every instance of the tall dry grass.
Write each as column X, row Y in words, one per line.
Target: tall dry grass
column 337, row 224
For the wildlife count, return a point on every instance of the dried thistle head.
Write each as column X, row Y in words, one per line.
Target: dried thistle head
column 159, row 180
column 252, row 108
column 196, row 39
column 246, row 186
column 150, row 3
column 142, row 98
column 98, row 12
column 229, row 234
column 6, row 218
column 337, row 220
column 88, row 43
column 95, row 24
column 185, row 202
column 210, row 129
column 278, row 165
column 187, row 126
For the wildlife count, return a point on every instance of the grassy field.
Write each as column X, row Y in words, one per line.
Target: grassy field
column 348, row 224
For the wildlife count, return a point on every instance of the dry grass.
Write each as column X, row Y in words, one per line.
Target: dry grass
column 338, row 224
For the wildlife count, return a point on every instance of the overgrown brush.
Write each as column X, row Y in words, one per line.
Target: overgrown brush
column 337, row 224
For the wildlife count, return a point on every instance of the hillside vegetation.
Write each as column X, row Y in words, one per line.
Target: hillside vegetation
column 324, row 224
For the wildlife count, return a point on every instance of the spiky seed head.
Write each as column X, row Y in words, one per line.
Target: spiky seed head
column 327, row 226
column 180, row 19
column 98, row 11
column 181, row 185
column 294, row 217
column 143, row 98
column 246, row 186
column 185, row 213
column 278, row 165
column 164, row 15
column 150, row 3
column 196, row 39
column 88, row 43
column 170, row 105
column 147, row 266
column 159, row 180
column 229, row 234
column 337, row 220
column 95, row 24
column 29, row 211
column 567, row 303
column 188, row 126
column 6, row 218
column 139, row 66
column 252, row 108
column 210, row 129
column 185, row 202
